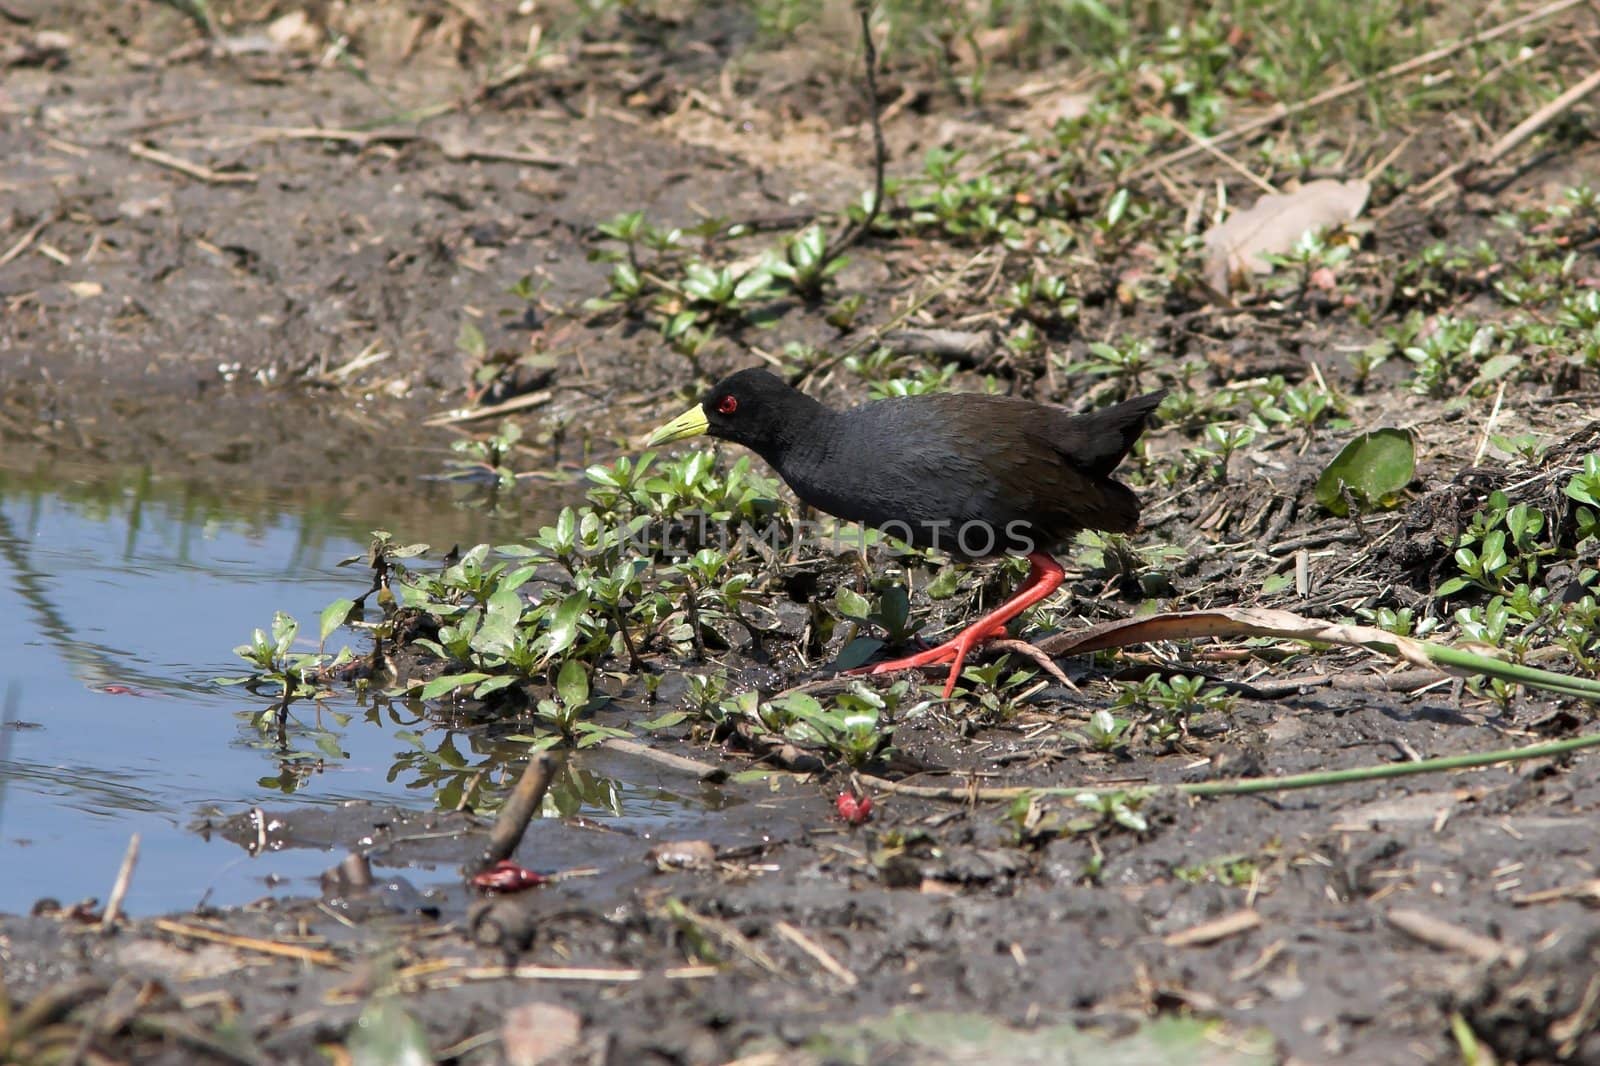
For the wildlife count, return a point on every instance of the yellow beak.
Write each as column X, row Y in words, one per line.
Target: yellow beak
column 691, row 423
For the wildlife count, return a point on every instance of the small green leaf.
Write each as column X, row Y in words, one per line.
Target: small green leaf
column 894, row 609
column 494, row 684
column 564, row 625
column 470, row 342
column 665, row 721
column 1374, row 466
column 851, row 604
column 1495, row 368
column 1276, row 583
column 944, row 584
column 573, row 683
column 333, row 617
column 448, row 683
column 857, row 652
column 504, row 608
column 284, row 627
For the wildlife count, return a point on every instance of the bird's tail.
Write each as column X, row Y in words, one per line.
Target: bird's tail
column 1096, row 442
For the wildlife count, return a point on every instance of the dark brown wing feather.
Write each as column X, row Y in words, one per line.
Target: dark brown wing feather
column 961, row 458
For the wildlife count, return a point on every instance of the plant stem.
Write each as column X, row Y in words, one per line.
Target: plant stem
column 1244, row 786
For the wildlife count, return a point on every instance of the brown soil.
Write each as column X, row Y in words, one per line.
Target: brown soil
column 198, row 323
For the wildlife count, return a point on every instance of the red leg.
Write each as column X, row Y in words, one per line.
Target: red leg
column 1044, row 577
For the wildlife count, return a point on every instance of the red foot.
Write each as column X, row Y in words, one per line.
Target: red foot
column 1044, row 577
column 507, row 876
column 852, row 808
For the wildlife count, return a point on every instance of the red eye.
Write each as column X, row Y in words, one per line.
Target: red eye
column 727, row 405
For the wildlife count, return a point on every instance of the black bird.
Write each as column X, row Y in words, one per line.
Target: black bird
column 970, row 474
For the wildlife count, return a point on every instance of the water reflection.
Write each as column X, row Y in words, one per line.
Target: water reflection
column 121, row 597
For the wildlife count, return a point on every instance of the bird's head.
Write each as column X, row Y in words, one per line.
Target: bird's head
column 752, row 407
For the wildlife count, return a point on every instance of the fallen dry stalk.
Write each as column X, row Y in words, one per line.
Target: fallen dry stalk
column 819, row 954
column 707, row 772
column 1213, row 931
column 250, row 943
column 519, row 809
column 1585, row 891
column 569, row 973
column 29, row 237
column 1541, row 118
column 1439, row 933
column 119, row 888
column 193, row 170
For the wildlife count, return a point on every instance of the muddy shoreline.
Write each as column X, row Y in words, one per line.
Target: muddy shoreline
column 305, row 297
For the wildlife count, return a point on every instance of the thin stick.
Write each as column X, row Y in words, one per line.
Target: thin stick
column 1441, row 934
column 249, row 943
column 193, row 170
column 1282, row 112
column 819, row 954
column 1215, row 930
column 364, row 138
column 28, row 238
column 1244, row 786
column 1540, row 118
column 856, row 230
column 519, row 809
column 707, row 772
column 119, row 888
column 8, row 714
column 1488, row 424
column 473, row 414
column 1211, row 149
column 573, row 973
column 1037, row 657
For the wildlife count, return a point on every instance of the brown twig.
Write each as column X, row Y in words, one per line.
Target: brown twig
column 474, row 414
column 1439, row 933
column 569, row 973
column 518, row 811
column 1035, row 655
column 1501, row 148
column 1539, row 119
column 857, row 229
column 819, row 954
column 1214, row 930
column 29, row 237
column 193, row 170
column 249, row 943
column 969, row 348
column 703, row 771
column 119, row 888
column 1586, row 891
column 364, row 138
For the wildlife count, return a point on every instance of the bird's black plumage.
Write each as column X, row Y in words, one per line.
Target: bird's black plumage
column 972, row 474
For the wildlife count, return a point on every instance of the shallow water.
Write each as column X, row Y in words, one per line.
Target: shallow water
column 121, row 599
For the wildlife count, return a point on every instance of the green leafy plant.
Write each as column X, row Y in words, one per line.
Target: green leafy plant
column 1103, row 731
column 1371, row 470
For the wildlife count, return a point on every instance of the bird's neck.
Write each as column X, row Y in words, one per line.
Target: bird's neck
column 805, row 425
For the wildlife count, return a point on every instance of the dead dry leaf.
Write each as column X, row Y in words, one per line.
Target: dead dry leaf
column 684, row 855
column 1273, row 224
column 536, row 1034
